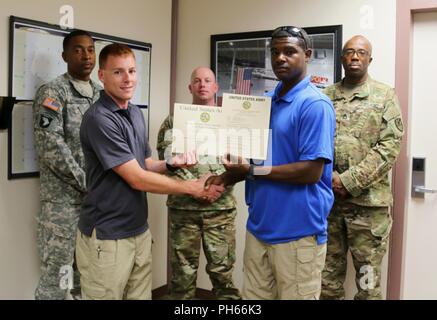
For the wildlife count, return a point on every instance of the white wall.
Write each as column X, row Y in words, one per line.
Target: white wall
column 199, row 19
column 142, row 20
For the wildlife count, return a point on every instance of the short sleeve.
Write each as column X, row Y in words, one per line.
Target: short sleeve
column 148, row 150
column 47, row 110
column 316, row 132
column 106, row 138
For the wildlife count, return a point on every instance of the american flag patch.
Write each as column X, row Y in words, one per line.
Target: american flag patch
column 51, row 104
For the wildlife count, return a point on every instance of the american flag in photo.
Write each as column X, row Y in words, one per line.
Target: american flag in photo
column 244, row 79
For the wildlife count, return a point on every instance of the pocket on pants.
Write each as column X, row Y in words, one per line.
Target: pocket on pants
column 54, row 241
column 307, row 282
column 305, row 263
column 63, row 231
column 103, row 251
column 381, row 223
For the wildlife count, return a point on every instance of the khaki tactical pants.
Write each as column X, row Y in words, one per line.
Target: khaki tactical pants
column 115, row 269
column 285, row 271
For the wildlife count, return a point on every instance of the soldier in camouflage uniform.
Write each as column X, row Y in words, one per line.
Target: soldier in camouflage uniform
column 368, row 140
column 193, row 222
column 58, row 109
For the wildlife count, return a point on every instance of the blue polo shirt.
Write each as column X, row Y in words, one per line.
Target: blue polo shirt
column 302, row 124
column 111, row 136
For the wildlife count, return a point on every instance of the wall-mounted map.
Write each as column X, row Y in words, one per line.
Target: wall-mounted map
column 35, row 58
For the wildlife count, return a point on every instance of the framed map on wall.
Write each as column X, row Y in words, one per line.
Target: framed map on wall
column 35, row 51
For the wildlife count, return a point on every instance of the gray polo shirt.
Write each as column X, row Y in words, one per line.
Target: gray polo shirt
column 111, row 136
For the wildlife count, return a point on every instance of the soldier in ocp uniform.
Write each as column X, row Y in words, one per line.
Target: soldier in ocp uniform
column 58, row 109
column 368, row 140
column 192, row 221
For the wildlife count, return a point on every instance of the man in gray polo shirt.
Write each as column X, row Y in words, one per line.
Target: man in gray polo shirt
column 114, row 242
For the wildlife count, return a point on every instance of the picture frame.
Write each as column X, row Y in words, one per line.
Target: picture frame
column 241, row 61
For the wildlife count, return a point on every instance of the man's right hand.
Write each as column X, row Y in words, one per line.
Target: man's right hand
column 203, row 194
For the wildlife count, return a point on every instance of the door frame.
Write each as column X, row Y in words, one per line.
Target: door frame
column 405, row 9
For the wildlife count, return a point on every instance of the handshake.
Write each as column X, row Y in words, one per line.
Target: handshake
column 210, row 187
column 205, row 192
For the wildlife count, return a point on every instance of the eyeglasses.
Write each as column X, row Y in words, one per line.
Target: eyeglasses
column 289, row 31
column 361, row 53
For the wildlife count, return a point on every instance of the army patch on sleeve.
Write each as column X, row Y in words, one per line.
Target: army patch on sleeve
column 51, row 104
column 45, row 121
column 399, row 125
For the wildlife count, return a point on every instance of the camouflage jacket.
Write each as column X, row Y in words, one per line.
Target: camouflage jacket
column 58, row 108
column 367, row 140
column 205, row 166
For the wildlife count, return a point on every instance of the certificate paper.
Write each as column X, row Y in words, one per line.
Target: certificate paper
column 239, row 127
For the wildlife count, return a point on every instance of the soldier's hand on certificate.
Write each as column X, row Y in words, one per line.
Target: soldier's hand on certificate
column 210, row 194
column 184, row 160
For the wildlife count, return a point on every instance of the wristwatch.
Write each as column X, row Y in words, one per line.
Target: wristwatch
column 250, row 174
column 170, row 167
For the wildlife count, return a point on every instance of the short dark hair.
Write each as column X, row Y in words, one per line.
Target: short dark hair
column 114, row 49
column 294, row 32
column 71, row 35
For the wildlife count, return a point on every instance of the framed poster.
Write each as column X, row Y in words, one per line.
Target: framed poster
column 241, row 61
column 35, row 50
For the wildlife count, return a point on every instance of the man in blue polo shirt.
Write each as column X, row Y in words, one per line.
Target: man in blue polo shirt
column 289, row 196
column 113, row 244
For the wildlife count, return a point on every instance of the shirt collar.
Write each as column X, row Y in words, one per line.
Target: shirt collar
column 289, row 96
column 361, row 92
column 109, row 103
column 78, row 89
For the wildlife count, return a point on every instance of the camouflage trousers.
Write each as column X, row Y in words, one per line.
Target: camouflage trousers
column 216, row 231
column 365, row 232
column 57, row 225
